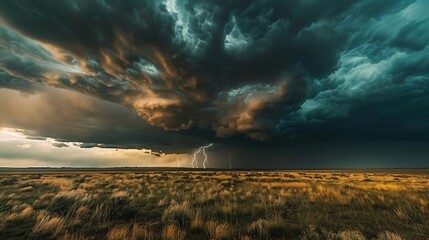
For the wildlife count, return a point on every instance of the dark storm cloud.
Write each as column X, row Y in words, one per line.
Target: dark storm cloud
column 59, row 144
column 68, row 116
column 380, row 83
column 279, row 70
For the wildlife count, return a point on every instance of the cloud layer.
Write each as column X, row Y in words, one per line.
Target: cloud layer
column 270, row 71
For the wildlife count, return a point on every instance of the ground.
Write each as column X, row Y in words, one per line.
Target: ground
column 167, row 204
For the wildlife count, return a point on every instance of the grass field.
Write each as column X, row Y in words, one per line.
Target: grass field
column 162, row 204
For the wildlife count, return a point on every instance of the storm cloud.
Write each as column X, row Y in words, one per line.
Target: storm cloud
column 260, row 72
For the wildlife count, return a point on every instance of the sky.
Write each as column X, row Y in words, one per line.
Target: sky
column 271, row 84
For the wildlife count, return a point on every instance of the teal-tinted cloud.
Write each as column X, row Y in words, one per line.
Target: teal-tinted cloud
column 197, row 67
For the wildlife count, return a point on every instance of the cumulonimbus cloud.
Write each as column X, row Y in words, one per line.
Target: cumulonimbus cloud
column 264, row 70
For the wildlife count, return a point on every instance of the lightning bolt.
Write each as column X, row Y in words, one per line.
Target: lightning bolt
column 178, row 162
column 194, row 162
column 205, row 155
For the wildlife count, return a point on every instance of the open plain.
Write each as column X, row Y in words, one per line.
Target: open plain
column 187, row 204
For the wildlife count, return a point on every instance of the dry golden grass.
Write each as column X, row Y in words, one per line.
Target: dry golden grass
column 218, row 231
column 27, row 189
column 62, row 183
column 72, row 236
column 173, row 232
column 389, row 236
column 133, row 232
column 197, row 221
column 215, row 205
column 118, row 233
column 46, row 223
